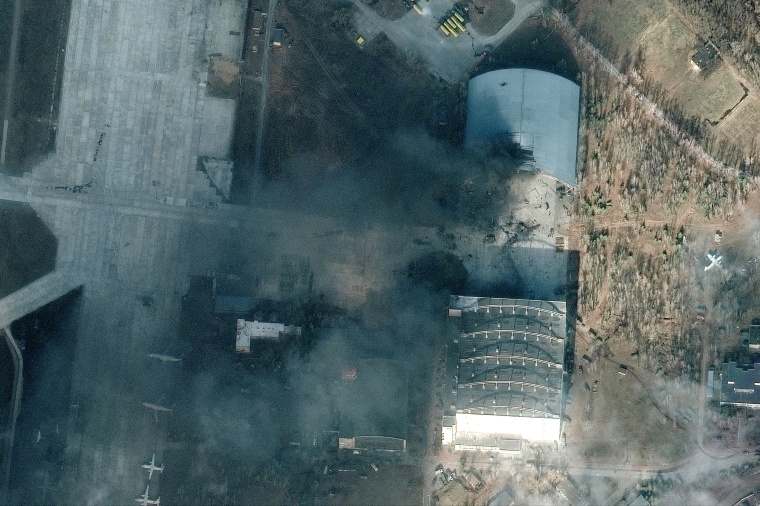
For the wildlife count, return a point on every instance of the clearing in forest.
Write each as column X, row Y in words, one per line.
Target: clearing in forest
column 659, row 42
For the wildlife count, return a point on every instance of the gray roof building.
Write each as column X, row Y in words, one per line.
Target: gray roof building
column 536, row 110
column 639, row 501
column 704, row 56
column 740, row 385
column 505, row 370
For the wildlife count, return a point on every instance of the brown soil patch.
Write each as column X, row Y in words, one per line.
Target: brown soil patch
column 489, row 16
column 223, row 78
column 225, row 70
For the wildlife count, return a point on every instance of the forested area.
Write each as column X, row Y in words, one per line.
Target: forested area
column 638, row 184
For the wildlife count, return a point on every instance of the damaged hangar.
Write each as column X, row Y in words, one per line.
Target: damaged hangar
column 505, row 376
column 536, row 111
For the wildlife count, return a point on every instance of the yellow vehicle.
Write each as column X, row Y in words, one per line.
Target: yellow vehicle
column 417, row 8
column 459, row 16
column 445, row 30
column 360, row 41
column 451, row 26
column 458, row 23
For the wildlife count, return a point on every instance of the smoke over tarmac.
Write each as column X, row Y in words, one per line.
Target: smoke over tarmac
column 414, row 179
column 264, row 422
column 273, row 414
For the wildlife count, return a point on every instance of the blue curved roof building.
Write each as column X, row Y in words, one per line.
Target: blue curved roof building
column 536, row 110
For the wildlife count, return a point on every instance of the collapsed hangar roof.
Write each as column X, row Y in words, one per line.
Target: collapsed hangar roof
column 509, row 357
column 535, row 109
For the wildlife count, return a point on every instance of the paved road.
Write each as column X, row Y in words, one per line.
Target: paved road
column 263, row 100
column 451, row 58
column 9, row 436
column 35, row 295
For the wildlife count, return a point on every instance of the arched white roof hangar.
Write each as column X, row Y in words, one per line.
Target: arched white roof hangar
column 538, row 110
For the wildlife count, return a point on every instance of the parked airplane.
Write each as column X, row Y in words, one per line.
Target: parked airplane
column 144, row 501
column 164, row 358
column 714, row 261
column 156, row 408
column 153, row 467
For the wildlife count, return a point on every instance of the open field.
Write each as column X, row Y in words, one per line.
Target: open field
column 648, row 208
column 533, row 45
column 741, row 126
column 710, row 98
column 389, row 9
column 665, row 52
column 666, row 41
column 6, row 6
column 43, row 423
column 335, row 101
column 618, row 26
column 630, row 422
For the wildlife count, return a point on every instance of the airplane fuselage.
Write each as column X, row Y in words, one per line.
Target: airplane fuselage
column 156, row 407
column 164, row 358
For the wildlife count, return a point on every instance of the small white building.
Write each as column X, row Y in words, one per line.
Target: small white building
column 248, row 331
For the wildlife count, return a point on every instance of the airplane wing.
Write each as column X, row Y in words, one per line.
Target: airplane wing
column 144, row 499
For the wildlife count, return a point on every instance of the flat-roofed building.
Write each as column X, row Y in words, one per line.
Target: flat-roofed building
column 263, row 331
column 505, row 373
column 740, row 385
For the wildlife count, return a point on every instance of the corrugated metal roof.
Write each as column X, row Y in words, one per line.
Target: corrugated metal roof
column 537, row 110
column 511, row 355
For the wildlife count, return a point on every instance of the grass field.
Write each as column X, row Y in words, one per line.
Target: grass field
column 741, row 126
column 666, row 52
column 44, row 25
column 626, row 426
column 623, row 22
column 712, row 97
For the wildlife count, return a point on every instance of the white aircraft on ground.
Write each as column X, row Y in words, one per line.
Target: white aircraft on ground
column 156, row 408
column 714, row 261
column 153, row 467
column 144, row 501
column 164, row 358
